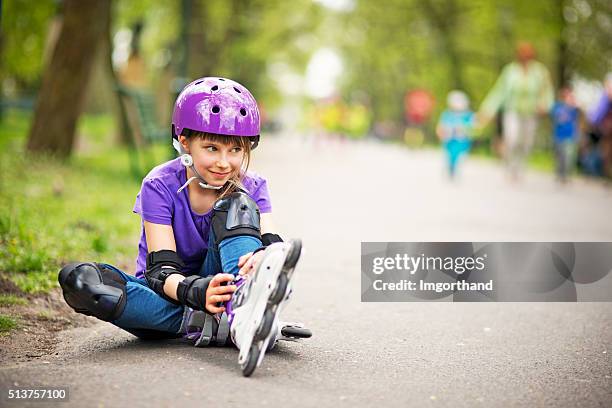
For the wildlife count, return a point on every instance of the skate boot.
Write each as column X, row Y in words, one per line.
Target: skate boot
column 254, row 308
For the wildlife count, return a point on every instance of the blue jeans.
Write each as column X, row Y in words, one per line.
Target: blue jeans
column 148, row 315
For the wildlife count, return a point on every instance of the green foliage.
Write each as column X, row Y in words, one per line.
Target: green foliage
column 24, row 34
column 9, row 300
column 440, row 45
column 7, row 323
column 55, row 212
column 99, row 244
column 588, row 30
column 388, row 46
column 161, row 27
column 240, row 39
column 236, row 38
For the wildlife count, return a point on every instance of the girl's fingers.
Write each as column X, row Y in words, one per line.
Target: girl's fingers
column 214, row 310
column 244, row 258
column 247, row 267
column 220, row 298
column 220, row 278
column 221, row 290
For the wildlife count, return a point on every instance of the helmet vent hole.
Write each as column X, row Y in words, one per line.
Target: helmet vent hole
column 221, row 79
column 198, row 83
column 214, row 88
column 237, row 90
column 243, row 111
column 216, row 109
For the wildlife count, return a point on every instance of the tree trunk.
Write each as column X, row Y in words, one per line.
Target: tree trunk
column 65, row 80
column 563, row 70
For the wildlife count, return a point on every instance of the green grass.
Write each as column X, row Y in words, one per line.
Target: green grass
column 45, row 315
column 7, row 323
column 53, row 212
column 10, row 300
column 542, row 161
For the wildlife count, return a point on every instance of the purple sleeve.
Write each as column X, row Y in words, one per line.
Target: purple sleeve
column 261, row 195
column 154, row 203
column 600, row 110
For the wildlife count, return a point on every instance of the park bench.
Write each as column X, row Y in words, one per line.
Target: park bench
column 25, row 103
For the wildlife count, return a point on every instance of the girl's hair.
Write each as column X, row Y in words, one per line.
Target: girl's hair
column 235, row 182
column 458, row 100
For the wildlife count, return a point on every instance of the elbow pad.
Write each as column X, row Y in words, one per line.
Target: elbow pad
column 160, row 265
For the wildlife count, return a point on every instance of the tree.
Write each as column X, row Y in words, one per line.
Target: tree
column 23, row 40
column 241, row 38
column 65, row 80
column 444, row 19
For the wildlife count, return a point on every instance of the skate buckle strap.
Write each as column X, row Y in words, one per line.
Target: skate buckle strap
column 223, row 330
column 214, row 332
column 191, row 326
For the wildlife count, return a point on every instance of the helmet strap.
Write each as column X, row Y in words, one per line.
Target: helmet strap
column 255, row 142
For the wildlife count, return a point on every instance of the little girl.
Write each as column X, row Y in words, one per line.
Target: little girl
column 455, row 128
column 209, row 267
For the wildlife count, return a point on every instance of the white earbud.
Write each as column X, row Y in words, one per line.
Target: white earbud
column 187, row 160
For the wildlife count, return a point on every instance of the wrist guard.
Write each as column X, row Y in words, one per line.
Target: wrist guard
column 268, row 239
column 160, row 265
column 191, row 291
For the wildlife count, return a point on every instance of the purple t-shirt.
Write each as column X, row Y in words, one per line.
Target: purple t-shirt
column 158, row 203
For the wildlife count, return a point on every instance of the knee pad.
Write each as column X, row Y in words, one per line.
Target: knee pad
column 93, row 290
column 235, row 215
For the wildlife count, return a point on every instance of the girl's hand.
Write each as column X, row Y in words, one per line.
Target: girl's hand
column 217, row 292
column 482, row 120
column 249, row 262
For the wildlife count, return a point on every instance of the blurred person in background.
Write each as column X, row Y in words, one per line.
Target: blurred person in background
column 134, row 73
column 523, row 91
column 455, row 128
column 331, row 113
column 419, row 105
column 358, row 120
column 601, row 121
column 565, row 118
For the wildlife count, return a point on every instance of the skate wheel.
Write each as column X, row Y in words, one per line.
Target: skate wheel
column 251, row 364
column 296, row 332
column 294, row 254
column 279, row 292
column 265, row 326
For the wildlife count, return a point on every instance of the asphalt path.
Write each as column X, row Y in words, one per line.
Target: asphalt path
column 334, row 196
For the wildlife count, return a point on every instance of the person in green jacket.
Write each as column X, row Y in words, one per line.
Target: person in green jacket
column 523, row 91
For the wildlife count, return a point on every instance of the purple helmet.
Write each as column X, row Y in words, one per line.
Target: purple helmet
column 216, row 105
